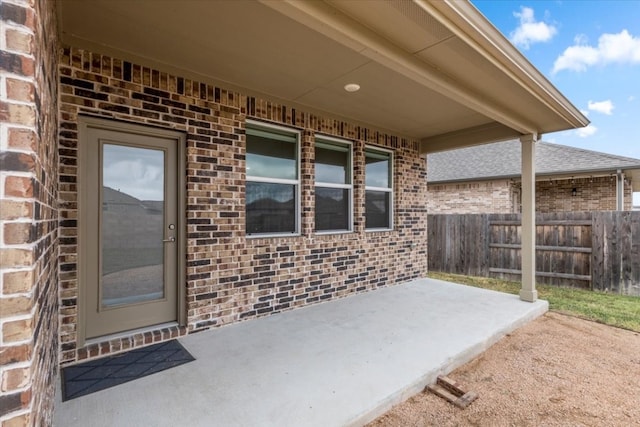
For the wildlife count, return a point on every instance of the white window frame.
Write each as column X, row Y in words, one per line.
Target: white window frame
column 328, row 142
column 271, row 128
column 374, row 149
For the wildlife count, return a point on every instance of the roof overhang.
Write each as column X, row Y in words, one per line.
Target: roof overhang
column 437, row 72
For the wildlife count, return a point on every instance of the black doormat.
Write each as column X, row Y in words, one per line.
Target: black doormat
column 96, row 375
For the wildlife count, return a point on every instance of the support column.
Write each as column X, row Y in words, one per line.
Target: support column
column 528, row 253
column 619, row 190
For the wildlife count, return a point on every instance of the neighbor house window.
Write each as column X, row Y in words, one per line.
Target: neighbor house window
column 333, row 186
column 378, row 189
column 273, row 181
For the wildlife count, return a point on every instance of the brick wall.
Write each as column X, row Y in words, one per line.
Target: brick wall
column 592, row 194
column 498, row 196
column 503, row 196
column 230, row 277
column 28, row 218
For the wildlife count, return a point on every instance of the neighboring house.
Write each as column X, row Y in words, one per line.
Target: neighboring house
column 239, row 145
column 486, row 179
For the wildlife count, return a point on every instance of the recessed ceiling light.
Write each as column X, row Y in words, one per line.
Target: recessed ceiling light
column 352, row 87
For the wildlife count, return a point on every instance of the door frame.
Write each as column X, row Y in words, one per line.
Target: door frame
column 84, row 124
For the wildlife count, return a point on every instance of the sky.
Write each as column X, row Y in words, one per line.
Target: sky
column 590, row 51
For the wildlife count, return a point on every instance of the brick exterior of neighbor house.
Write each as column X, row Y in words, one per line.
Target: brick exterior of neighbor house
column 503, row 196
column 486, row 179
column 499, row 196
column 28, row 212
column 592, row 194
column 231, row 277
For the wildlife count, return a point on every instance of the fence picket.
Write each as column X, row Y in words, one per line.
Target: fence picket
column 592, row 250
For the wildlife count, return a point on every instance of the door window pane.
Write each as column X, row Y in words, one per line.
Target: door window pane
column 132, row 225
column 271, row 208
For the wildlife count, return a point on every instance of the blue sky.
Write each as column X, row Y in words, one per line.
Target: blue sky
column 590, row 50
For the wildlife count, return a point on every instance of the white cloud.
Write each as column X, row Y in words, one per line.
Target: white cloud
column 584, row 112
column 631, row 98
column 621, row 48
column 604, row 107
column 529, row 31
column 586, row 131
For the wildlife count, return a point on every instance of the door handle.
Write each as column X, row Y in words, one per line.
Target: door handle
column 169, row 240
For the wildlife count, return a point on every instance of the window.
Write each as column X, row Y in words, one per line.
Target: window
column 378, row 189
column 333, row 187
column 273, row 183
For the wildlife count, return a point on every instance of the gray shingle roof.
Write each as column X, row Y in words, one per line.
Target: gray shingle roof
column 502, row 160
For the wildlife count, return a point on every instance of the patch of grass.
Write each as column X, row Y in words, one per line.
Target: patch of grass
column 615, row 310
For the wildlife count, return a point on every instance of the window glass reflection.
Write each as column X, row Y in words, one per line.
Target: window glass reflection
column 270, row 158
column 332, row 166
column 132, row 225
column 377, row 170
column 271, row 208
column 332, row 209
column 377, row 208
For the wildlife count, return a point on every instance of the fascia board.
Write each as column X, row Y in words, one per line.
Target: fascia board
column 478, row 135
column 467, row 23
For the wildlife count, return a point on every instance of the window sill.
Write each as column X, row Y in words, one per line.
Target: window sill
column 378, row 230
column 271, row 236
column 334, row 232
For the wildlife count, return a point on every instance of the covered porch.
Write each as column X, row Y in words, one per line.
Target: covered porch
column 344, row 362
column 437, row 73
column 384, row 81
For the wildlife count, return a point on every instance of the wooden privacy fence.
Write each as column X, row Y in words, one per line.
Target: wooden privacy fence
column 590, row 250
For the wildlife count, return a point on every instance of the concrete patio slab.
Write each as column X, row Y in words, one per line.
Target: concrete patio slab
column 334, row 364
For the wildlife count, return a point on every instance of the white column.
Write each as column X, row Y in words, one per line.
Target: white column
column 528, row 290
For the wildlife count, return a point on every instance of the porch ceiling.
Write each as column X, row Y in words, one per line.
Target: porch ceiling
column 437, row 72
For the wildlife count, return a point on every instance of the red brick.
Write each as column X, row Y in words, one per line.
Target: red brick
column 18, row 114
column 14, row 209
column 16, row 162
column 19, row 41
column 17, row 330
column 12, row 258
column 16, row 233
column 22, row 420
column 23, row 139
column 20, row 90
column 14, row 379
column 15, row 354
column 18, row 186
column 15, row 306
column 15, row 282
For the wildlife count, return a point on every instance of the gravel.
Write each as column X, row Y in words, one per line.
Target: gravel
column 556, row 371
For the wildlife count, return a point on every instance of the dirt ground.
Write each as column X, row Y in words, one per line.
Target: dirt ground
column 556, row 371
